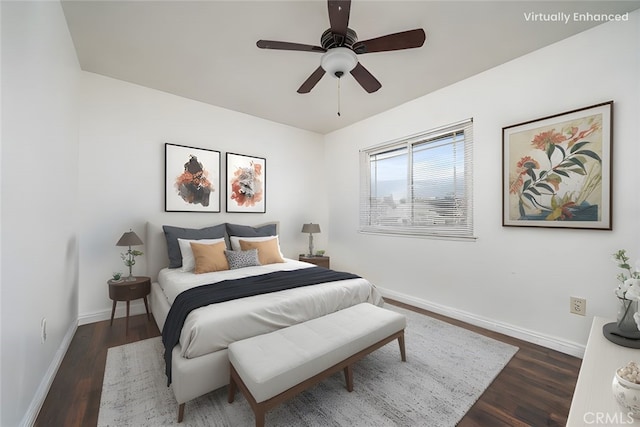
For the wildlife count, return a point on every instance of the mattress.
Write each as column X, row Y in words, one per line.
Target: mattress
column 212, row 328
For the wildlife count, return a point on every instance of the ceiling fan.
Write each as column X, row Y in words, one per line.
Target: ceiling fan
column 340, row 46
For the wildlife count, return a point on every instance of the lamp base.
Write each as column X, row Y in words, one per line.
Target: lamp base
column 310, row 244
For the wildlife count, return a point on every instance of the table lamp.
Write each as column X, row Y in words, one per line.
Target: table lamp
column 310, row 228
column 130, row 239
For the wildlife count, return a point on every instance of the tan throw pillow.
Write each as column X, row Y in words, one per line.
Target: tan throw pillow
column 268, row 250
column 209, row 258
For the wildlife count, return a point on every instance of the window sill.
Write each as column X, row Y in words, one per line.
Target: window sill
column 420, row 236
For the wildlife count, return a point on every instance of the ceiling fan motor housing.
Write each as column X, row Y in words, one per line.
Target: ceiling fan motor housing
column 329, row 39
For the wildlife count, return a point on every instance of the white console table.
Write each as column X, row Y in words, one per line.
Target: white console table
column 593, row 402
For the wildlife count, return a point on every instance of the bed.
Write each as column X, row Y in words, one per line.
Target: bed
column 199, row 362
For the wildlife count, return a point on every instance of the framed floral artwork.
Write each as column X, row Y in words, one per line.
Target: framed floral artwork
column 192, row 179
column 557, row 170
column 246, row 183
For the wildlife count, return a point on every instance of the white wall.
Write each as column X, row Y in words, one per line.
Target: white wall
column 123, row 129
column 517, row 278
column 39, row 198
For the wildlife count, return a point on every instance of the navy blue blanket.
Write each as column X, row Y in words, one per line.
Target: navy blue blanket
column 227, row 290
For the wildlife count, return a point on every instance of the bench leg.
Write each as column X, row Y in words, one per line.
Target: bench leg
column 181, row 412
column 348, row 377
column 259, row 413
column 232, row 390
column 403, row 354
column 235, row 382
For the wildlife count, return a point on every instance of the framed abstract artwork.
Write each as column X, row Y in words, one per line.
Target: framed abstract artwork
column 556, row 171
column 246, row 183
column 192, row 179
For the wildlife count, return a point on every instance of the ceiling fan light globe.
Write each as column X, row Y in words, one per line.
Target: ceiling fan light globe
column 338, row 61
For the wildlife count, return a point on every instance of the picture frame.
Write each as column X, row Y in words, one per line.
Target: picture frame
column 192, row 179
column 556, row 170
column 246, row 183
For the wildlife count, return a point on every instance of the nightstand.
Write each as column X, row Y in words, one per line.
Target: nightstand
column 128, row 291
column 320, row 261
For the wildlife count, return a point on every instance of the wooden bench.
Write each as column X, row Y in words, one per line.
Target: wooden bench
column 272, row 368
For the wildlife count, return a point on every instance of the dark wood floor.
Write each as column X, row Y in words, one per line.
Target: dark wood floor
column 534, row 389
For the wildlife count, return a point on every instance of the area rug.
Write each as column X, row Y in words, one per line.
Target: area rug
column 447, row 370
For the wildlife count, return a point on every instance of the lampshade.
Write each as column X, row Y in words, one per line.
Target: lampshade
column 311, row 228
column 338, row 61
column 129, row 238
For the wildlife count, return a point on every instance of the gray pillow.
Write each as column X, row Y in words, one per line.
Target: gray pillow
column 240, row 259
column 248, row 231
column 172, row 234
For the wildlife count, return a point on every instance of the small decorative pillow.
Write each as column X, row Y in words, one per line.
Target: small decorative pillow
column 268, row 250
column 209, row 258
column 240, row 259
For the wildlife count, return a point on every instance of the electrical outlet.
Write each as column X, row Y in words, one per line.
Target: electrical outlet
column 578, row 306
column 43, row 330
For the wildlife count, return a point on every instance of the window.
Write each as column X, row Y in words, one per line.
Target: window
column 420, row 185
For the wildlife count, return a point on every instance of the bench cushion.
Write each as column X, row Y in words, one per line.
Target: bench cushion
column 272, row 363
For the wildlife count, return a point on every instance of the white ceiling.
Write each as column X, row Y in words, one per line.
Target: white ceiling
column 206, row 51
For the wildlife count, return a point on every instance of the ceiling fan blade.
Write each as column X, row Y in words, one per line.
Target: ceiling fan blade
column 272, row 44
column 313, row 79
column 397, row 41
column 339, row 18
column 365, row 78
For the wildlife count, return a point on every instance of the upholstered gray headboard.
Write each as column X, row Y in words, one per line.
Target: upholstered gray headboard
column 156, row 247
column 155, row 250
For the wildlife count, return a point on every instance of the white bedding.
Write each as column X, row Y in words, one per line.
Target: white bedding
column 214, row 327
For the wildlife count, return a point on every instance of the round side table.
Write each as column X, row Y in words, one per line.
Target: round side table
column 129, row 291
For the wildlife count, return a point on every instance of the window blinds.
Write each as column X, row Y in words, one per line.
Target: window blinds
column 420, row 185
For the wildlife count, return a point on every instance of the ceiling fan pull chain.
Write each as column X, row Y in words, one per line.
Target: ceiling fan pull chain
column 338, row 96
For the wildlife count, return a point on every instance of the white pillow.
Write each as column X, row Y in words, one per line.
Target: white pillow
column 235, row 242
column 188, row 260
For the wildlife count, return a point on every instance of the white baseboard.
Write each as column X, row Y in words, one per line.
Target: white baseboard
column 553, row 343
column 30, row 416
column 136, row 307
